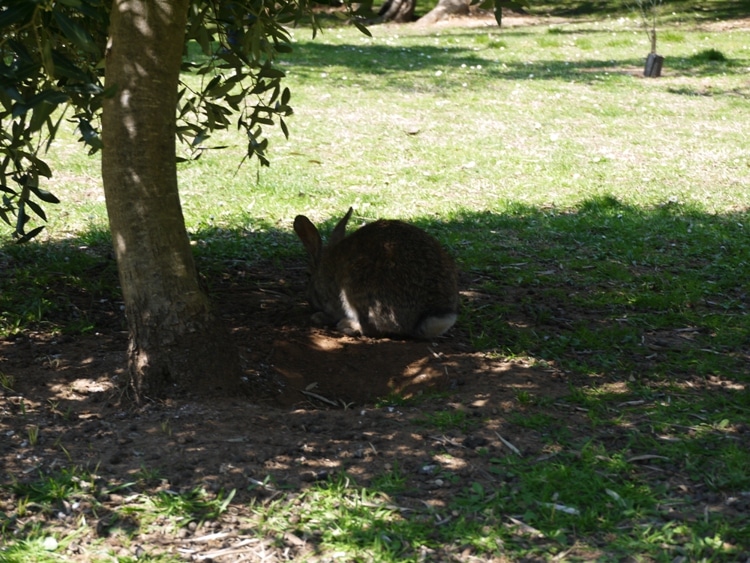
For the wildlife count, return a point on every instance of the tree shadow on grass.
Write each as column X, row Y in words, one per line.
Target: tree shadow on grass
column 711, row 10
column 400, row 62
column 606, row 341
column 577, row 281
column 601, row 271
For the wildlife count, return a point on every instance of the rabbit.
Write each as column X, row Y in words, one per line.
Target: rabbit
column 388, row 278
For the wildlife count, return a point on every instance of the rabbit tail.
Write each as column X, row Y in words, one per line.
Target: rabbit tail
column 434, row 325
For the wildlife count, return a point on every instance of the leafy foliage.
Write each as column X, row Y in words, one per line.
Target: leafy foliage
column 239, row 42
column 49, row 57
column 52, row 62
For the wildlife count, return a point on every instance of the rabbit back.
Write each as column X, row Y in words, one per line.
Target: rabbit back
column 388, row 278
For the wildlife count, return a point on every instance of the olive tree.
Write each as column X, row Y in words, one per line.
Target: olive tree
column 113, row 67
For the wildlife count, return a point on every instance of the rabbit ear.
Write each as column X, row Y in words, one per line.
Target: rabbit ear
column 309, row 236
column 340, row 230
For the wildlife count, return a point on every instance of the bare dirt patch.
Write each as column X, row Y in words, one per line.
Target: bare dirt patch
column 321, row 405
column 726, row 25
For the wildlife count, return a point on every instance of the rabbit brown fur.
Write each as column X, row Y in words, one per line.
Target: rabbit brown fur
column 388, row 278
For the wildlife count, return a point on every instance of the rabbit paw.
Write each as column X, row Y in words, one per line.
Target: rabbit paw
column 349, row 326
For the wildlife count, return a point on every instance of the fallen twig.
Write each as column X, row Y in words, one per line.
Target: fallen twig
column 510, row 446
column 320, row 398
column 525, row 527
column 645, row 457
column 209, row 537
column 445, row 440
column 233, row 550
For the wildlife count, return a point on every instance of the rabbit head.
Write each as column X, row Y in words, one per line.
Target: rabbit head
column 388, row 278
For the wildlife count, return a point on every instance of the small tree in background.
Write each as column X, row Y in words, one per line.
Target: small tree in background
column 648, row 11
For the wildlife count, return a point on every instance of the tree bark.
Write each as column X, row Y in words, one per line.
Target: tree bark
column 398, row 11
column 176, row 342
column 444, row 9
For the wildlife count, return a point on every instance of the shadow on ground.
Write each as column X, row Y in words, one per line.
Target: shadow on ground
column 569, row 319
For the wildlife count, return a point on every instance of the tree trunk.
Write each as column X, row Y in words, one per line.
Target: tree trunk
column 176, row 342
column 398, row 11
column 653, row 66
column 445, row 9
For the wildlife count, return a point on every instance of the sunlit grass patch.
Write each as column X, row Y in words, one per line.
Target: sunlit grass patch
column 340, row 517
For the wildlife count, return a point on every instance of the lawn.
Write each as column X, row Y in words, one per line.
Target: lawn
column 600, row 222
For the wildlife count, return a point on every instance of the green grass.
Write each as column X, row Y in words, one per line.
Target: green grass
column 449, row 420
column 603, row 216
column 73, row 501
